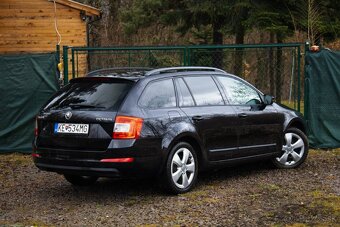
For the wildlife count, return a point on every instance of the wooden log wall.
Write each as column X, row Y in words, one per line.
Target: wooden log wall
column 28, row 26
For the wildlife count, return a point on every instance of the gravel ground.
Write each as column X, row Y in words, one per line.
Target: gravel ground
column 247, row 195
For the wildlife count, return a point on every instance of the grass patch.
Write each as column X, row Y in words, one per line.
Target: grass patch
column 324, row 153
column 201, row 197
column 296, row 225
column 9, row 163
column 210, row 200
column 294, row 106
column 336, row 152
column 290, row 225
column 328, row 202
column 15, row 159
column 193, row 195
column 148, row 225
column 24, row 224
column 270, row 187
column 132, row 201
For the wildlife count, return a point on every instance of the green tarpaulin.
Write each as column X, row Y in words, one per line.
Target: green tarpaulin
column 322, row 84
column 26, row 83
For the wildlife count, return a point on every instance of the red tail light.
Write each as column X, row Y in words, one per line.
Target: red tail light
column 36, row 127
column 127, row 127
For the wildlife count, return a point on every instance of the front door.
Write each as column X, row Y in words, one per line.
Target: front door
column 260, row 127
column 214, row 121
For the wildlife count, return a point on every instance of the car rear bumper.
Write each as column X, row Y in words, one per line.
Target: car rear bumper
column 90, row 164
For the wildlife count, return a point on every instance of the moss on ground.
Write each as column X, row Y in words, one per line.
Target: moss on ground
column 327, row 202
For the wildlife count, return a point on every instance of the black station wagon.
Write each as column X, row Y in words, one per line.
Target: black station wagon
column 169, row 123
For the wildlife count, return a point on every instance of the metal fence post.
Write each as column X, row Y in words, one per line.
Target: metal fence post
column 65, row 63
column 149, row 58
column 306, row 86
column 189, row 56
column 299, row 78
column 72, row 60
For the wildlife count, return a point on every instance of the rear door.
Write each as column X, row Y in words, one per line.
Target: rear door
column 214, row 121
column 161, row 113
column 81, row 115
column 260, row 127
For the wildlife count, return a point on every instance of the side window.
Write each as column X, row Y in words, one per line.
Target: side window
column 238, row 92
column 159, row 94
column 204, row 90
column 184, row 96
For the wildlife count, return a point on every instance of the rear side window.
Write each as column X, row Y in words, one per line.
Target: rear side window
column 159, row 94
column 184, row 96
column 91, row 95
column 204, row 90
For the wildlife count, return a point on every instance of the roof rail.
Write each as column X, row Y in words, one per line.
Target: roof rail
column 180, row 69
column 119, row 70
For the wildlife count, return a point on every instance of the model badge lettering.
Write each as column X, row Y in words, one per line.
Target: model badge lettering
column 103, row 119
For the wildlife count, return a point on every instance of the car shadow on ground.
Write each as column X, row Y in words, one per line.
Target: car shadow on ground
column 106, row 188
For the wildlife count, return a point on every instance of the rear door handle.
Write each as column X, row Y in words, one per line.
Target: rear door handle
column 242, row 115
column 197, row 118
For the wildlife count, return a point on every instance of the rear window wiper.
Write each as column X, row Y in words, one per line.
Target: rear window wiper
column 85, row 106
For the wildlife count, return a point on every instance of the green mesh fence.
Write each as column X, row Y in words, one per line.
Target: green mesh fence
column 274, row 68
column 148, row 58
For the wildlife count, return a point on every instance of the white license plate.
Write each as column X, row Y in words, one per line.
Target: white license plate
column 71, row 128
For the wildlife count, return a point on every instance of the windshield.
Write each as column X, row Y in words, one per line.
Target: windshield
column 106, row 95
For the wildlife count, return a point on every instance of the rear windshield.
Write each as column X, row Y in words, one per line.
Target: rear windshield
column 87, row 94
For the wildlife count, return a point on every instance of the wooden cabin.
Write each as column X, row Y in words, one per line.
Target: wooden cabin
column 28, row 71
column 29, row 25
column 32, row 26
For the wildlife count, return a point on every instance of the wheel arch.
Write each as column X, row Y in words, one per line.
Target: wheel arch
column 191, row 139
column 297, row 123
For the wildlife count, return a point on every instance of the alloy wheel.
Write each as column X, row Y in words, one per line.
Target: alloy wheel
column 183, row 168
column 293, row 149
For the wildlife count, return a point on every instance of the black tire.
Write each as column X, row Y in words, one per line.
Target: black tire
column 188, row 171
column 294, row 155
column 80, row 180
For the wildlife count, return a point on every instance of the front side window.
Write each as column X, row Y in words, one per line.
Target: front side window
column 204, row 90
column 159, row 94
column 239, row 93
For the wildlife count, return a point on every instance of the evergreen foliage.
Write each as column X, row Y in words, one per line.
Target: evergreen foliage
column 210, row 21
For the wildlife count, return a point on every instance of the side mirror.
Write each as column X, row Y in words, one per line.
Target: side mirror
column 268, row 99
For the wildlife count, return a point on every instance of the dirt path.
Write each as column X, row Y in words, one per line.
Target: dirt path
column 248, row 195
